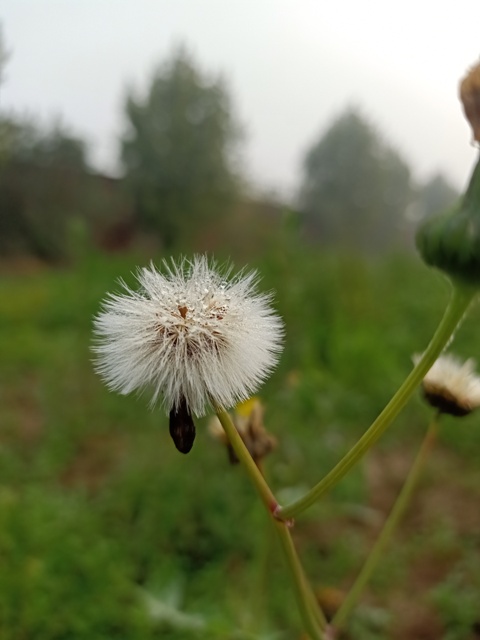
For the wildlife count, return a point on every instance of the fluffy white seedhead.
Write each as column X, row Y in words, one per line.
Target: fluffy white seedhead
column 451, row 385
column 192, row 334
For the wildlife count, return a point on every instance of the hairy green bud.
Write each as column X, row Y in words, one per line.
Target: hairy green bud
column 451, row 241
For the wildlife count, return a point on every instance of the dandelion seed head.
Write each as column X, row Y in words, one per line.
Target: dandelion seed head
column 193, row 332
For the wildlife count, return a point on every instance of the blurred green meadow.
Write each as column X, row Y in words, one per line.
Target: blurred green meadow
column 106, row 531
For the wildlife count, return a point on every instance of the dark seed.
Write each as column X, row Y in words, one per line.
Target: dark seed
column 182, row 428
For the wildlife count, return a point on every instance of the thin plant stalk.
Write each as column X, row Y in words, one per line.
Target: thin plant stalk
column 313, row 619
column 246, row 459
column 459, row 302
column 389, row 527
column 260, row 586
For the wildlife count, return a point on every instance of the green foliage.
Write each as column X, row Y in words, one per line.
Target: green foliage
column 435, row 196
column 178, row 150
column 102, row 522
column 61, row 579
column 355, row 188
column 26, row 141
column 52, row 206
column 39, row 170
column 457, row 599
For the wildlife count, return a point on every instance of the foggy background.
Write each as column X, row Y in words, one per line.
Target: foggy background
column 307, row 140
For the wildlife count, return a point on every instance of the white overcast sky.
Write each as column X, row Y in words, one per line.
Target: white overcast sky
column 292, row 65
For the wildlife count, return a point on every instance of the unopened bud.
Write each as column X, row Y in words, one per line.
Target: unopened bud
column 248, row 420
column 451, row 241
column 470, row 97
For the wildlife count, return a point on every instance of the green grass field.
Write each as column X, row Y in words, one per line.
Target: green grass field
column 106, row 531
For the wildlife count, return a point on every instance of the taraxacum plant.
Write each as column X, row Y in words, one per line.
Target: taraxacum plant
column 195, row 336
column 201, row 338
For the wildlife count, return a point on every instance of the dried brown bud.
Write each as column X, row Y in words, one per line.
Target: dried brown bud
column 470, row 97
column 248, row 420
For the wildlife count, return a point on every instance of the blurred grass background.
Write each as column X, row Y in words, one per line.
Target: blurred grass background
column 106, row 531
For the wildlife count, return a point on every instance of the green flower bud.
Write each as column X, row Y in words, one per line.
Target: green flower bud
column 451, row 241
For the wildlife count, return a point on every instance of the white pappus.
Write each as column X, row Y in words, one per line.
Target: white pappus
column 195, row 334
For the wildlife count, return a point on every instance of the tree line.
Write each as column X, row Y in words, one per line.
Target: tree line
column 181, row 181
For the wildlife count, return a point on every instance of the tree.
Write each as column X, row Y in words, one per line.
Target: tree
column 356, row 188
column 40, row 167
column 435, row 196
column 36, row 164
column 178, row 152
column 51, row 205
column 26, row 141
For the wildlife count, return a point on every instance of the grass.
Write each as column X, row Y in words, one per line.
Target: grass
column 106, row 531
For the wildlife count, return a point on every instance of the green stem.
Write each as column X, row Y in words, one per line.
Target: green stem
column 459, row 302
column 389, row 527
column 260, row 586
column 312, row 616
column 246, row 459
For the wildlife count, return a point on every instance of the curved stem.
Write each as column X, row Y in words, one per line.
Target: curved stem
column 459, row 302
column 389, row 527
column 246, row 459
column 312, row 616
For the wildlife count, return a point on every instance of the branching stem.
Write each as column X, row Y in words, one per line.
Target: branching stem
column 313, row 619
column 459, row 303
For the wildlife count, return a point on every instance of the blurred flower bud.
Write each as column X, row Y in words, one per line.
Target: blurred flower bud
column 451, row 241
column 470, row 97
column 451, row 386
column 248, row 420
